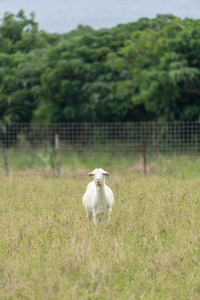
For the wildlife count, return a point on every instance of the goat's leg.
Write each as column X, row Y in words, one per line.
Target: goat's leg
column 95, row 216
column 108, row 215
column 88, row 215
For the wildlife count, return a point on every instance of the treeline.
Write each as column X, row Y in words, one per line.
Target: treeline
column 146, row 70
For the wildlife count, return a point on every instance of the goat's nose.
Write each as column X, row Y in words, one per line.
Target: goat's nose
column 98, row 180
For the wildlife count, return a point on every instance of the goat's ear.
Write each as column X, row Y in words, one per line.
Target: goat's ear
column 106, row 173
column 90, row 174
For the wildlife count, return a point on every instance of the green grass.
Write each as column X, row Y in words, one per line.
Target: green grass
column 43, row 161
column 22, row 159
column 150, row 250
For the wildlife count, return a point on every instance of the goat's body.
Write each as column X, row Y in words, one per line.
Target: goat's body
column 98, row 200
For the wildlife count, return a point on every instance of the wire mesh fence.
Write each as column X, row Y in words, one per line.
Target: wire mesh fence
column 125, row 138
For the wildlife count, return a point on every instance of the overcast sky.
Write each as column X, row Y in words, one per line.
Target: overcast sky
column 62, row 16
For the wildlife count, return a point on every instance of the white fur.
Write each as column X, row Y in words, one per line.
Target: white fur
column 98, row 197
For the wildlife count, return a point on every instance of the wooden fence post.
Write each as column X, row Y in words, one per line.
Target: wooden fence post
column 6, row 161
column 57, row 148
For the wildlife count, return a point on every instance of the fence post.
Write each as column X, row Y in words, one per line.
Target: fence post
column 6, row 161
column 145, row 158
column 57, row 148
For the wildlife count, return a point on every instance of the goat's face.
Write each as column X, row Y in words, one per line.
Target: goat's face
column 98, row 176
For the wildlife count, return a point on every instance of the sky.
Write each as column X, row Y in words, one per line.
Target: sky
column 62, row 16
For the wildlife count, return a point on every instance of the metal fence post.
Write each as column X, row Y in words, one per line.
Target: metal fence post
column 57, row 148
column 145, row 158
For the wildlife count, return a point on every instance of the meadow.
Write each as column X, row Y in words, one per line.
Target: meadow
column 149, row 250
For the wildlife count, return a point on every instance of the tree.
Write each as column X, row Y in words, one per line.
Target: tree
column 146, row 70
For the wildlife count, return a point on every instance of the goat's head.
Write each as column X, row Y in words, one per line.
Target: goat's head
column 98, row 176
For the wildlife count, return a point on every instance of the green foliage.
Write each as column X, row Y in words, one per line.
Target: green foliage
column 4, row 123
column 147, row 70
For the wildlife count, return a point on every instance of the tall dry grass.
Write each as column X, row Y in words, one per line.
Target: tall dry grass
column 150, row 250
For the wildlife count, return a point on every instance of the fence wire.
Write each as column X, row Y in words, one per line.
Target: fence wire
column 125, row 138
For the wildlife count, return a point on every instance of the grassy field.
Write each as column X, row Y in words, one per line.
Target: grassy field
column 150, row 249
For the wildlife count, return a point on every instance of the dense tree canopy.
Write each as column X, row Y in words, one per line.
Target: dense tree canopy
column 147, row 70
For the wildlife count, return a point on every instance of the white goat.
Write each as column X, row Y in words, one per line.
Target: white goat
column 98, row 197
